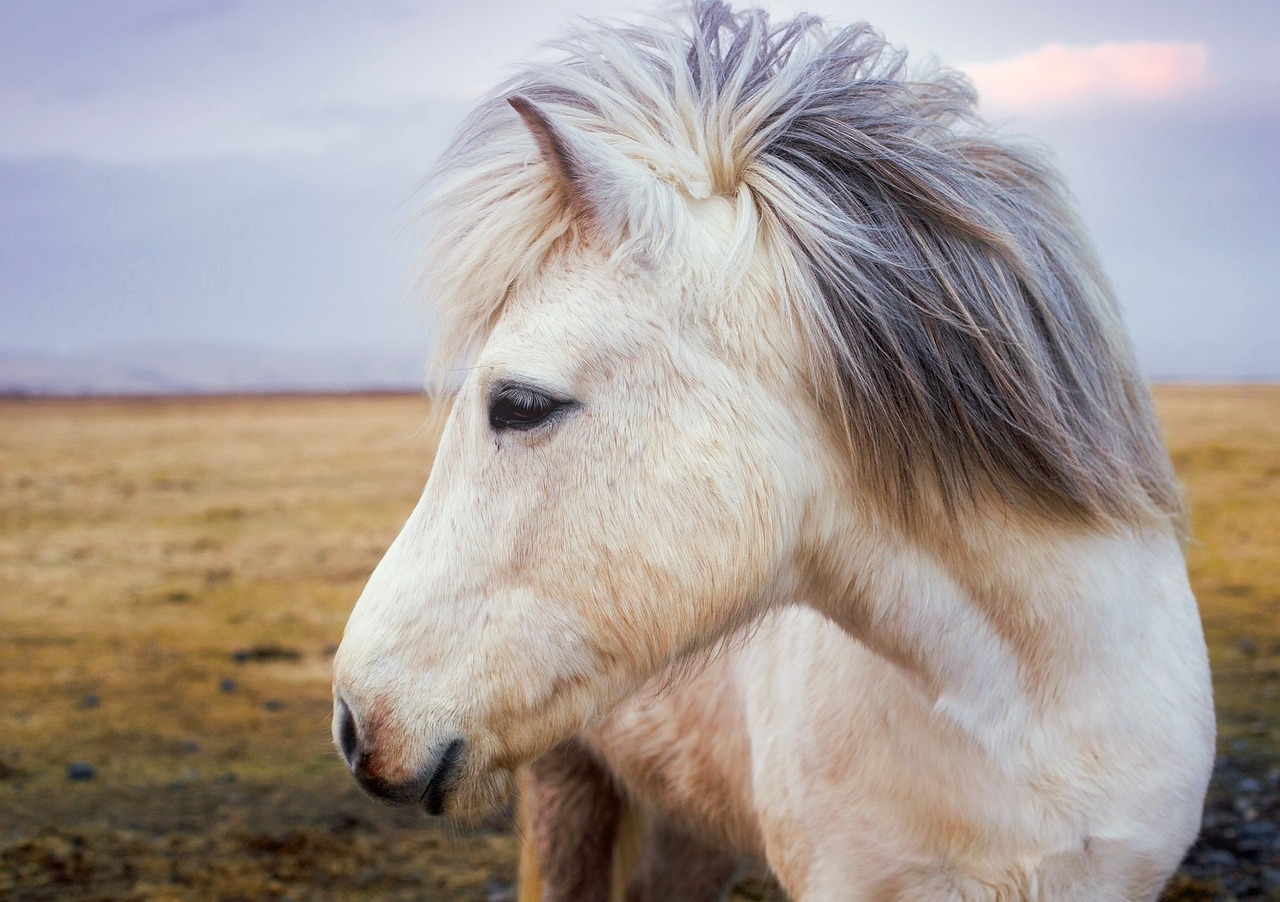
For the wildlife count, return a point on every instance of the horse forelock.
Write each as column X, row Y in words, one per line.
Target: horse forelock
column 964, row 331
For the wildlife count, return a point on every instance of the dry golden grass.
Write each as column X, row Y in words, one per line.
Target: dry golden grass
column 1225, row 443
column 144, row 543
column 174, row 575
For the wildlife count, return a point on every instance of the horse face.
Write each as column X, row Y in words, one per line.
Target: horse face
column 614, row 490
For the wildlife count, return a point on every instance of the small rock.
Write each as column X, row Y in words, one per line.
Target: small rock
column 1254, row 829
column 1247, row 646
column 272, row 705
column 265, row 652
column 228, row 686
column 1248, row 784
column 216, row 577
column 1218, row 858
column 191, row 747
column 345, row 822
column 499, row 891
column 80, row 771
column 90, row 701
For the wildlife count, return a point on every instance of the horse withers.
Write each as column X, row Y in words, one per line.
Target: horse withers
column 801, row 473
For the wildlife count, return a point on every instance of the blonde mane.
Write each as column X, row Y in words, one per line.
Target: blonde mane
column 961, row 325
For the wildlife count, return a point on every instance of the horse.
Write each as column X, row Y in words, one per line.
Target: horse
column 800, row 473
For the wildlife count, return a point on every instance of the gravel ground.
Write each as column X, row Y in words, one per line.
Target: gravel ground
column 1237, row 856
column 231, row 841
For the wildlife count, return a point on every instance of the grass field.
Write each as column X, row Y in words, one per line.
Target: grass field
column 175, row 574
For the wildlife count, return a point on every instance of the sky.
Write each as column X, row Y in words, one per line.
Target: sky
column 226, row 173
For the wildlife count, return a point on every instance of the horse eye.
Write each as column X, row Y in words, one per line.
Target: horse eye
column 522, row 408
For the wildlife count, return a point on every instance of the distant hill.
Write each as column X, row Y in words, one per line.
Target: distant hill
column 177, row 369
column 209, row 369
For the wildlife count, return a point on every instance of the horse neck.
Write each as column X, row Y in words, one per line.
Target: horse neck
column 1001, row 621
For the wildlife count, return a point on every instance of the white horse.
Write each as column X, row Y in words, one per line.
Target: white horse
column 795, row 391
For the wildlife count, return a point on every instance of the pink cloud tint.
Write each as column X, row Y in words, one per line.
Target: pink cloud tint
column 1058, row 76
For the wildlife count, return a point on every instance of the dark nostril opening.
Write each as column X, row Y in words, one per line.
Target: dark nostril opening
column 347, row 738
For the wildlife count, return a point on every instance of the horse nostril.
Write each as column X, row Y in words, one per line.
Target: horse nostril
column 347, row 738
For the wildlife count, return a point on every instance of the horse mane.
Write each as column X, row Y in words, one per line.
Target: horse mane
column 962, row 328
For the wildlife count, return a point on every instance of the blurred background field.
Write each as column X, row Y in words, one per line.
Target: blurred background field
column 175, row 574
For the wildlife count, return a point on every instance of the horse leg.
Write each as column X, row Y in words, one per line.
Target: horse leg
column 571, row 815
column 583, row 842
column 675, row 865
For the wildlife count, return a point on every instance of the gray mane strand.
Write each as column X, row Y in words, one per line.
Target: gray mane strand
column 969, row 340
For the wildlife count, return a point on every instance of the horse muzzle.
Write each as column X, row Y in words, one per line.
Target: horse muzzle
column 429, row 785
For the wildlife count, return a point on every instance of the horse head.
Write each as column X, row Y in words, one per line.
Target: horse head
column 623, row 480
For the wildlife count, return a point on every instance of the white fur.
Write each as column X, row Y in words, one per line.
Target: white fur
column 908, row 751
column 688, row 568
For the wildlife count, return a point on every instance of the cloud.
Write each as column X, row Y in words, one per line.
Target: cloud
column 1057, row 76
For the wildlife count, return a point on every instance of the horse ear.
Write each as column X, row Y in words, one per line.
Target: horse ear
column 618, row 196
column 557, row 147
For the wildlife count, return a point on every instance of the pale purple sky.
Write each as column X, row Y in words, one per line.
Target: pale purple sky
column 240, row 173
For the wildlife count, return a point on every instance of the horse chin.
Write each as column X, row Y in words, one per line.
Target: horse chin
column 476, row 795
